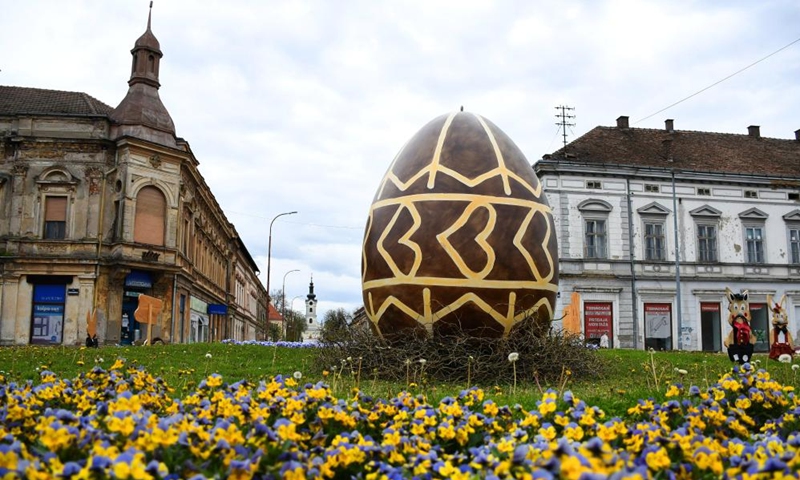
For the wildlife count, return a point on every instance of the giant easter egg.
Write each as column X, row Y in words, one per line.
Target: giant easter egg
column 459, row 236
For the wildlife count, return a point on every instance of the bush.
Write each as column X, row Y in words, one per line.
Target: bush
column 545, row 356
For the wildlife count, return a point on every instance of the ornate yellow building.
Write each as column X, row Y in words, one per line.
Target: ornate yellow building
column 99, row 205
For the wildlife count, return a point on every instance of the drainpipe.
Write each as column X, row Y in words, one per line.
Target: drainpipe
column 174, row 306
column 2, row 289
column 100, row 230
column 677, row 262
column 634, row 304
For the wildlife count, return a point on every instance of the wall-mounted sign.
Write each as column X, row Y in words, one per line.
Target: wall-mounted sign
column 73, row 291
column 138, row 279
column 597, row 320
column 217, row 309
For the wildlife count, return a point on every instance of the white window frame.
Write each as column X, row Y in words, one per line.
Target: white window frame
column 792, row 220
column 706, row 240
column 595, row 210
column 755, row 245
column 704, row 217
column 793, row 233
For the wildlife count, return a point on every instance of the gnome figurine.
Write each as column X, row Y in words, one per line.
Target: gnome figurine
column 740, row 340
column 780, row 338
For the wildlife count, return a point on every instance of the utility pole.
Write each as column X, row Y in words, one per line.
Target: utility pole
column 564, row 123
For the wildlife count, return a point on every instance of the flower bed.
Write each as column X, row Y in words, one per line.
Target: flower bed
column 123, row 423
column 269, row 343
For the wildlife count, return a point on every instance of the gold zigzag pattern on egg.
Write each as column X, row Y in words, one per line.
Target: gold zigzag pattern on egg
column 471, row 277
column 428, row 317
column 434, row 167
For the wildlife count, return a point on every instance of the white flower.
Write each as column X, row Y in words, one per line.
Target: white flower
column 208, row 355
column 297, row 375
column 785, row 358
column 349, row 359
column 422, row 361
column 408, row 361
column 681, row 371
column 795, row 366
column 513, row 357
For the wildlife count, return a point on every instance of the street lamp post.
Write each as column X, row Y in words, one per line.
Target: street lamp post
column 269, row 257
column 283, row 300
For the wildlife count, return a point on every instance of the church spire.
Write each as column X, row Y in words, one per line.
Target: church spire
column 311, row 295
column 141, row 113
column 146, row 56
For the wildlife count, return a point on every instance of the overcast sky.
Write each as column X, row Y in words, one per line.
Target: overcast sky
column 303, row 105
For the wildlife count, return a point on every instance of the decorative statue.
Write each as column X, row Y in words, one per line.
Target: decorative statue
column 740, row 340
column 781, row 339
column 91, row 329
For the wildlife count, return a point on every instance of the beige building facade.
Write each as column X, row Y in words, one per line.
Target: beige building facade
column 99, row 205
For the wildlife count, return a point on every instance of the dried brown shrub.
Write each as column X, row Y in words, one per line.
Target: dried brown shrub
column 456, row 357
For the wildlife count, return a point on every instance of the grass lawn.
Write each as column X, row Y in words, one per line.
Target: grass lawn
column 628, row 375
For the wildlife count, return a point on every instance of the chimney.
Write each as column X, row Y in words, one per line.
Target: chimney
column 754, row 131
column 622, row 122
column 669, row 125
column 667, row 144
column 797, row 135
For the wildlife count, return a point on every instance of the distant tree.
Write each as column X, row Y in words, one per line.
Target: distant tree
column 335, row 325
column 274, row 332
column 295, row 326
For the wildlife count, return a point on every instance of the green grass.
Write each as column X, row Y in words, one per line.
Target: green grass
column 628, row 375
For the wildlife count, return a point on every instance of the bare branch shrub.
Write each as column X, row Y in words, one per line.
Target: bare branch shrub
column 456, row 357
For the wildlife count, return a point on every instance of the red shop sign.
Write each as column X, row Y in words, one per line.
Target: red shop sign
column 598, row 319
column 709, row 307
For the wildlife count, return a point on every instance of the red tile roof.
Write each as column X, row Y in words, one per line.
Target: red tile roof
column 24, row 100
column 274, row 314
column 684, row 150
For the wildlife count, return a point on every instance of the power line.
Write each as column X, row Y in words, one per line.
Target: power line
column 720, row 81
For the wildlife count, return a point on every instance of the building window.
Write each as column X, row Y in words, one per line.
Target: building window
column 754, row 239
column 794, row 245
column 704, row 192
column 654, row 241
column 658, row 326
column 750, row 194
column 594, row 184
column 794, row 196
column 595, row 238
column 150, row 214
column 55, row 218
column 707, row 243
column 651, row 188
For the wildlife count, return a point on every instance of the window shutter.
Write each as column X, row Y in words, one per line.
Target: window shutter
column 55, row 209
column 149, row 223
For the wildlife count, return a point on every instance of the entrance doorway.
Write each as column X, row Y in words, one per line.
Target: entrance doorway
column 759, row 324
column 710, row 327
column 598, row 322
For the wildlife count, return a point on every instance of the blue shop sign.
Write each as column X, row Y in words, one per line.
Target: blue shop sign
column 49, row 293
column 217, row 309
column 138, row 279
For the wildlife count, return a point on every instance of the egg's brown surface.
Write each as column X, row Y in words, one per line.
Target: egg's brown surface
column 459, row 235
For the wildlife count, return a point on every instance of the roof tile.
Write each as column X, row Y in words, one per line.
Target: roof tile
column 685, row 150
column 24, row 100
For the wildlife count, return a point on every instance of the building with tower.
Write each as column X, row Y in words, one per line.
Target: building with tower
column 313, row 329
column 99, row 205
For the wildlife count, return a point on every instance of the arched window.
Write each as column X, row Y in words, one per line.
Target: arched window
column 151, row 63
column 150, row 214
